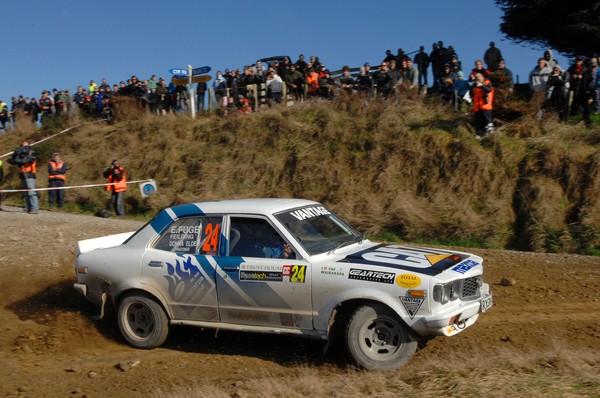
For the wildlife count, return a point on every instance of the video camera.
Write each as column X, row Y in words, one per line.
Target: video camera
column 22, row 155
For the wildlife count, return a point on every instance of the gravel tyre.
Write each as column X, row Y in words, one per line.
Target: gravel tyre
column 142, row 321
column 376, row 338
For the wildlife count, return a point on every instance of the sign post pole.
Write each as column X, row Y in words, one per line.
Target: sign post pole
column 192, row 95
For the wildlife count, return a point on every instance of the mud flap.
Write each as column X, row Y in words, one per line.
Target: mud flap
column 98, row 317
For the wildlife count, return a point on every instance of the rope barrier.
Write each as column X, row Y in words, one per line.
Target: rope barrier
column 72, row 186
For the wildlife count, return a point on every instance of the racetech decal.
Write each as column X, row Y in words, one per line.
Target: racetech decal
column 273, row 273
column 426, row 261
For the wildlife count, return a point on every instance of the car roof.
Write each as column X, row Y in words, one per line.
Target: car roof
column 252, row 206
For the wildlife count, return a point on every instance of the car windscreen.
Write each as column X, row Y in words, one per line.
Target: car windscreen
column 317, row 229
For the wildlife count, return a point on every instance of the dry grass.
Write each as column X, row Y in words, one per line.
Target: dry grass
column 411, row 167
column 560, row 372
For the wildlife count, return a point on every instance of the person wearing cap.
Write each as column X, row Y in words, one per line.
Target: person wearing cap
column 117, row 178
column 492, row 57
column 56, row 179
column 346, row 80
column 576, row 72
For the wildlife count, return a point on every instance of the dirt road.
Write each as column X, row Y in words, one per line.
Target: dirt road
column 546, row 327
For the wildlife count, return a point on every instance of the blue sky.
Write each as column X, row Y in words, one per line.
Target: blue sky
column 65, row 43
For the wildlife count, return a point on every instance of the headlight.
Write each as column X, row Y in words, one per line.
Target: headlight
column 447, row 292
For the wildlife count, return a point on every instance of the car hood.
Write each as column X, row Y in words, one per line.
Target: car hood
column 413, row 258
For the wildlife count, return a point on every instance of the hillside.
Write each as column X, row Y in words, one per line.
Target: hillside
column 410, row 170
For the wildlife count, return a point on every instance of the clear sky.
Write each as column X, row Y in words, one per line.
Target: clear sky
column 65, row 43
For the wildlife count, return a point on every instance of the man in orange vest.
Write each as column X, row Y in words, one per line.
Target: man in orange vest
column 483, row 98
column 117, row 176
column 56, row 179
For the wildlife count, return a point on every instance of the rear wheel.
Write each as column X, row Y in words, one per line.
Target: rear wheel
column 142, row 321
column 376, row 338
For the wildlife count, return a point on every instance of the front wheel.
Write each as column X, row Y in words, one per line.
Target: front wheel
column 376, row 338
column 142, row 321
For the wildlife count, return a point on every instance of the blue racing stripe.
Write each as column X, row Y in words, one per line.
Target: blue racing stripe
column 161, row 220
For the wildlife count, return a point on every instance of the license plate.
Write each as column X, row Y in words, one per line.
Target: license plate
column 486, row 304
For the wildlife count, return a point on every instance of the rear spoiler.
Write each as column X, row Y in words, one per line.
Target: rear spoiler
column 84, row 246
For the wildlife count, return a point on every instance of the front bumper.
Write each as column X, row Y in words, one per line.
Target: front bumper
column 455, row 320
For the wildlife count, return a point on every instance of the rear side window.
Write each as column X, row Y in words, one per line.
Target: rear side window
column 192, row 235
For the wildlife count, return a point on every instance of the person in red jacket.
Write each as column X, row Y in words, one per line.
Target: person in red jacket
column 483, row 98
column 56, row 179
column 117, row 177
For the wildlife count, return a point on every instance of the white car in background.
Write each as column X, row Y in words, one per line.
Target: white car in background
column 280, row 266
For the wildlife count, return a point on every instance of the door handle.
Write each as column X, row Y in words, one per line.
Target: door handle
column 229, row 269
column 156, row 264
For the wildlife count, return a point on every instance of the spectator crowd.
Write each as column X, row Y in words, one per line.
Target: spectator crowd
column 566, row 91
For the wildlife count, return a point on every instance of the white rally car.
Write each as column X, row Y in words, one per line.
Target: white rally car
column 280, row 266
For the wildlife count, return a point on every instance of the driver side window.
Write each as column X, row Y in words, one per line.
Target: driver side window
column 255, row 237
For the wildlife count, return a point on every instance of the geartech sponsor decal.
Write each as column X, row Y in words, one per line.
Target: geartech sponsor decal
column 408, row 281
column 371, row 276
column 465, row 266
column 336, row 271
column 412, row 305
column 295, row 273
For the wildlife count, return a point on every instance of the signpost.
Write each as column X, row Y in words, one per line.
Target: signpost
column 179, row 71
column 189, row 76
column 200, row 71
column 182, row 81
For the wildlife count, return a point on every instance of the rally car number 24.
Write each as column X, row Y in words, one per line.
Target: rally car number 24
column 280, row 266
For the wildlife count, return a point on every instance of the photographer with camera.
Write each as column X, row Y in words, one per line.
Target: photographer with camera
column 116, row 176
column 24, row 157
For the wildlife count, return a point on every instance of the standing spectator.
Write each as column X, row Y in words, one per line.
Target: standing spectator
column 162, row 98
column 576, row 72
column 435, row 64
column 445, row 83
column 455, row 64
column 483, row 98
column 117, row 177
column 326, row 85
column 383, row 80
column 220, row 88
column 478, row 69
column 152, row 84
column 410, row 75
column 492, row 57
column 3, row 114
column 201, row 89
column 590, row 91
column 503, row 78
column 558, row 92
column 274, row 86
column 295, row 82
column 56, row 179
column 25, row 159
column 312, row 82
column 301, row 64
column 45, row 105
column 538, row 83
column 421, row 60
column 389, row 57
column 346, row 80
column 364, row 82
column 549, row 57
column 461, row 88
